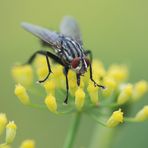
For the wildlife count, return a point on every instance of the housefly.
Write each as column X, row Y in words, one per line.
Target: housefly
column 67, row 48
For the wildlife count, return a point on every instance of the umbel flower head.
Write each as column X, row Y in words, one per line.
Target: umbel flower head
column 110, row 104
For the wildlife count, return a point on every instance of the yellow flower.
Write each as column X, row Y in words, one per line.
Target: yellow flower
column 118, row 72
column 126, row 94
column 51, row 103
column 23, row 74
column 49, row 86
column 142, row 114
column 3, row 122
column 110, row 85
column 21, row 93
column 93, row 93
column 40, row 62
column 10, row 132
column 28, row 144
column 79, row 98
column 140, row 89
column 115, row 119
column 98, row 70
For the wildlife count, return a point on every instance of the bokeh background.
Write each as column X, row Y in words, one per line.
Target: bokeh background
column 115, row 30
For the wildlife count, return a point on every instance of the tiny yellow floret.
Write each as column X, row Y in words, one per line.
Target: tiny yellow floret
column 79, row 98
column 23, row 74
column 93, row 93
column 49, row 86
column 118, row 72
column 140, row 89
column 10, row 132
column 3, row 122
column 142, row 114
column 51, row 103
column 125, row 94
column 115, row 119
column 21, row 93
column 110, row 85
column 28, row 144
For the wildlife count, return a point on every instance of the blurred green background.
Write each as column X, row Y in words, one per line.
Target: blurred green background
column 115, row 30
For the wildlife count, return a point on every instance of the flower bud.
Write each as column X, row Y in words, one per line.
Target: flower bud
column 142, row 114
column 115, row 119
column 21, row 93
column 93, row 93
column 28, row 144
column 23, row 74
column 140, row 89
column 110, row 85
column 3, row 122
column 49, row 86
column 118, row 72
column 79, row 98
column 51, row 103
column 10, row 132
column 125, row 94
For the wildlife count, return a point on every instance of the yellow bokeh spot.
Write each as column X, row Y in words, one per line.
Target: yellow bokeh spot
column 28, row 144
column 142, row 114
column 118, row 72
column 140, row 89
column 23, row 74
column 3, row 122
column 125, row 94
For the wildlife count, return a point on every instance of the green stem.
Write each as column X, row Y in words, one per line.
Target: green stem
column 69, row 142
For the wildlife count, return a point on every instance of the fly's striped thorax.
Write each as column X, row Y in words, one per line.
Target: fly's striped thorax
column 71, row 49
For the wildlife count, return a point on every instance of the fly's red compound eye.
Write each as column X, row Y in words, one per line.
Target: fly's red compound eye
column 75, row 62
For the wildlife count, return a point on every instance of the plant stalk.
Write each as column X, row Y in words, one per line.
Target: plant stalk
column 69, row 142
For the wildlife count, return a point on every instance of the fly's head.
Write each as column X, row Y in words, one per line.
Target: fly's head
column 80, row 65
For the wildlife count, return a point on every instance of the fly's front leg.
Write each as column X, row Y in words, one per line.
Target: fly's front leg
column 88, row 52
column 78, row 79
column 67, row 84
column 91, row 77
column 46, row 54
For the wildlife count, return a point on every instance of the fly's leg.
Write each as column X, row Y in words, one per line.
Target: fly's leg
column 46, row 54
column 78, row 79
column 88, row 52
column 67, row 84
column 91, row 77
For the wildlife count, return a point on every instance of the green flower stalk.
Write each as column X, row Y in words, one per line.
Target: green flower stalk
column 107, row 107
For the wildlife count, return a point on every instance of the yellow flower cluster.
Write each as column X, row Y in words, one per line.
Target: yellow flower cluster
column 11, row 128
column 87, row 97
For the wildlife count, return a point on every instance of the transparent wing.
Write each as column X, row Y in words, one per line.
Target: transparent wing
column 69, row 27
column 44, row 34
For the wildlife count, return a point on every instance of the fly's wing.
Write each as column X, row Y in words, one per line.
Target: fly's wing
column 69, row 27
column 42, row 33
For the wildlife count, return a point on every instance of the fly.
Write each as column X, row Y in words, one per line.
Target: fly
column 67, row 48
